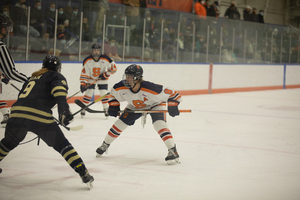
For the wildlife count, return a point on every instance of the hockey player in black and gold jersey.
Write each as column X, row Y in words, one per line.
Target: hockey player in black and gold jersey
column 32, row 112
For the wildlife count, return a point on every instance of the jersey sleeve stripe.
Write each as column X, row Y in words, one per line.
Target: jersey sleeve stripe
column 87, row 60
column 121, row 88
column 149, row 91
column 8, row 66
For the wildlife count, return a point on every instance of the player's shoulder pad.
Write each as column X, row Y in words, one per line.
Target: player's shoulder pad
column 151, row 87
column 105, row 57
column 120, row 86
column 90, row 57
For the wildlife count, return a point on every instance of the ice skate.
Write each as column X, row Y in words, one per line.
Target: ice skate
column 84, row 175
column 0, row 170
column 106, row 113
column 82, row 113
column 88, row 179
column 173, row 156
column 103, row 148
column 4, row 121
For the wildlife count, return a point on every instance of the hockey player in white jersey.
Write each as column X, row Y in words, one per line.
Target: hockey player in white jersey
column 142, row 95
column 96, row 67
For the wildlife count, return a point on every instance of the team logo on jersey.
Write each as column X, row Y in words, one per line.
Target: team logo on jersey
column 145, row 97
column 63, row 82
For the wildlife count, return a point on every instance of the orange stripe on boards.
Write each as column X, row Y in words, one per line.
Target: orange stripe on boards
column 196, row 92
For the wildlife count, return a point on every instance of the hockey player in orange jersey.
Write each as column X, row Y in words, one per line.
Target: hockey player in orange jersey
column 142, row 95
column 96, row 67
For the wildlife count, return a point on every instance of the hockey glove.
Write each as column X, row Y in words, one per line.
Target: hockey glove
column 173, row 108
column 5, row 80
column 66, row 117
column 104, row 76
column 114, row 108
column 84, row 87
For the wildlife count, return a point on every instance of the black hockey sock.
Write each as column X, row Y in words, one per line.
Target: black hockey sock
column 3, row 151
column 71, row 156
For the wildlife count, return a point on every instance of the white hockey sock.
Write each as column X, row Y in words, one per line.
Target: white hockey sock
column 165, row 134
column 117, row 128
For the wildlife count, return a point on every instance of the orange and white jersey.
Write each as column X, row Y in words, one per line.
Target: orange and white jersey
column 92, row 69
column 148, row 96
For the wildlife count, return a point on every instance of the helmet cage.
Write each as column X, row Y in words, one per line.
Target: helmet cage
column 133, row 74
column 96, row 46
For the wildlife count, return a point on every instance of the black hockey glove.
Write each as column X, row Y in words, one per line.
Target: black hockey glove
column 5, row 80
column 66, row 117
column 114, row 108
column 84, row 87
column 173, row 108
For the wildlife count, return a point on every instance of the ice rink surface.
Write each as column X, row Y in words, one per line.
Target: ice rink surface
column 233, row 146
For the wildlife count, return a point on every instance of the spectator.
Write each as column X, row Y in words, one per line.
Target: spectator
column 20, row 20
column 232, row 12
column 110, row 49
column 100, row 16
column 50, row 19
column 86, row 33
column 62, row 17
column 206, row 5
column 200, row 48
column 37, row 17
column 121, row 19
column 42, row 46
column 132, row 12
column 5, row 10
column 61, row 32
column 143, row 7
column 213, row 10
column 75, row 21
column 261, row 16
column 112, row 17
column 247, row 15
column 200, row 9
column 254, row 15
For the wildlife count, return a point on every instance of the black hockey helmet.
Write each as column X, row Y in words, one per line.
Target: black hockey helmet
column 5, row 22
column 96, row 46
column 52, row 63
column 134, row 70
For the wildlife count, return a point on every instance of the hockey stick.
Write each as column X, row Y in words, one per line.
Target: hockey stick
column 86, row 106
column 78, row 92
column 82, row 105
column 79, row 103
column 14, row 86
column 75, row 128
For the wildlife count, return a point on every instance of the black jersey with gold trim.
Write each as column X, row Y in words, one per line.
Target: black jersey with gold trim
column 38, row 95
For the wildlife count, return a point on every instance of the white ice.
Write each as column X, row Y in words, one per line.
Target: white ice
column 233, row 146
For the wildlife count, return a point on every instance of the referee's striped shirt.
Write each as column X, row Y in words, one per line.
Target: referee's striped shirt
column 7, row 65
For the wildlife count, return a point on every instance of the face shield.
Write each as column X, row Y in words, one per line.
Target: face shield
column 128, row 80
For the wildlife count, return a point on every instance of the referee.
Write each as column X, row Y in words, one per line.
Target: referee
column 7, row 64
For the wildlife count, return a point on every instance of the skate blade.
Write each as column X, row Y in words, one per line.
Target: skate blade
column 89, row 185
column 173, row 162
column 98, row 155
